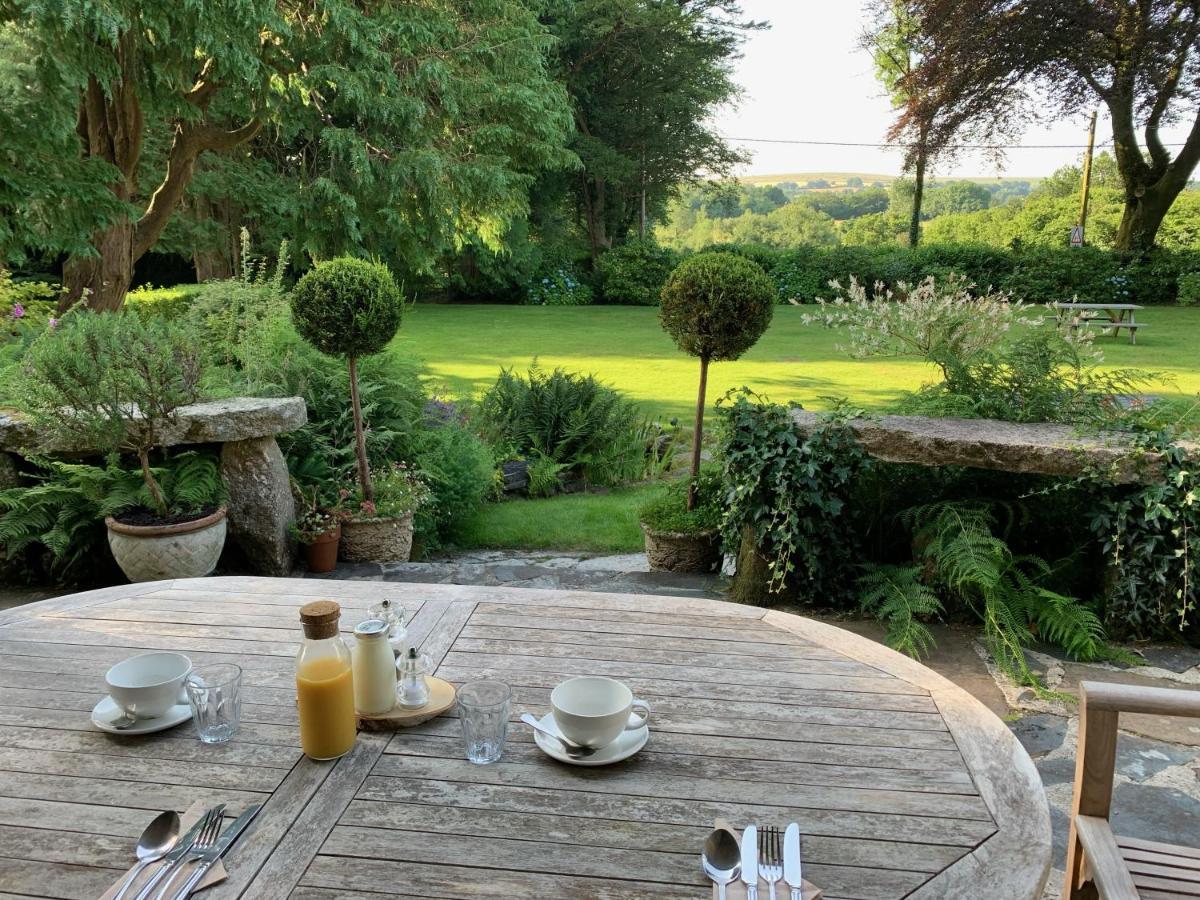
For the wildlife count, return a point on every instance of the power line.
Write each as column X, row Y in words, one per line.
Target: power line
column 900, row 145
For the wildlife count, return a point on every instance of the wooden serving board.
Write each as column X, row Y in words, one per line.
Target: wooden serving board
column 441, row 698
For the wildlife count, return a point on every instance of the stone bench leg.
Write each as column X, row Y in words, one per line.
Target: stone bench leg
column 261, row 506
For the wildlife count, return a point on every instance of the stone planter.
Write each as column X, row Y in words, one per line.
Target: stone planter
column 669, row 551
column 377, row 539
column 157, row 552
column 321, row 555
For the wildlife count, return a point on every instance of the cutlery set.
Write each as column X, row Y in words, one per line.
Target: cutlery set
column 203, row 845
column 765, row 854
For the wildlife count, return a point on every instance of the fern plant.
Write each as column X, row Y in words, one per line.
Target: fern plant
column 65, row 506
column 962, row 551
column 573, row 420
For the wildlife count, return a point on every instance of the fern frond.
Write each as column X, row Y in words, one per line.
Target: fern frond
column 896, row 596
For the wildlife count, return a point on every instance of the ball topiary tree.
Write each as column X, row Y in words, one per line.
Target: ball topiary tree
column 349, row 308
column 715, row 306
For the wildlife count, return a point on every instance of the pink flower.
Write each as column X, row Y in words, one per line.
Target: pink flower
column 368, row 507
column 53, row 323
column 17, row 311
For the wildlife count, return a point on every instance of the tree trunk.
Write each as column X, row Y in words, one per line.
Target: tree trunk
column 111, row 128
column 698, row 437
column 222, row 260
column 360, row 437
column 914, row 222
column 101, row 281
column 1142, row 217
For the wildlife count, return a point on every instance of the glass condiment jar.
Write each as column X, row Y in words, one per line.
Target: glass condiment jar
column 393, row 613
column 413, row 692
column 324, row 684
column 374, row 669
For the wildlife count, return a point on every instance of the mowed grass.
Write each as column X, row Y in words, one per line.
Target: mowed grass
column 463, row 348
column 593, row 523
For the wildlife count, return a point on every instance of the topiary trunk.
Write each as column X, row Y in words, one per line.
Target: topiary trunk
column 698, row 437
column 360, row 437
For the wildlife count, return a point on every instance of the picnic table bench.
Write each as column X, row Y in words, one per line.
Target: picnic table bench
column 1116, row 316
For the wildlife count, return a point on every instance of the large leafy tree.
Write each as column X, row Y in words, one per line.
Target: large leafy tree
column 390, row 123
column 991, row 67
column 894, row 42
column 644, row 77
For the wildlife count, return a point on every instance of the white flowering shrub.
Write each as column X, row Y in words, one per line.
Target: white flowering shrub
column 945, row 322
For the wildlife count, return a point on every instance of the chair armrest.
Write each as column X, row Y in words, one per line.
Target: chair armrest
column 1130, row 698
column 1104, row 863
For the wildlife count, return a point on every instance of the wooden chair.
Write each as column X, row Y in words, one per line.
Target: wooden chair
column 1107, row 866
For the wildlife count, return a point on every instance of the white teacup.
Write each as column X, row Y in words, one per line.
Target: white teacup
column 593, row 711
column 147, row 685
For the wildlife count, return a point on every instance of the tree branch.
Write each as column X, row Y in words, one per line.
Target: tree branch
column 190, row 141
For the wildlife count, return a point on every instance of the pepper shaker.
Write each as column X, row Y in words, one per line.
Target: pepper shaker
column 414, row 689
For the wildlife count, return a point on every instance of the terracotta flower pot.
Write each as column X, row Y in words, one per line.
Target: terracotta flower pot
column 377, row 539
column 670, row 551
column 156, row 552
column 321, row 555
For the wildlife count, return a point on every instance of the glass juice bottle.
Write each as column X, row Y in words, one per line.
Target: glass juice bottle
column 324, row 684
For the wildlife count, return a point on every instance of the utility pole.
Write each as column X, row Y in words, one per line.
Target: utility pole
column 1087, row 178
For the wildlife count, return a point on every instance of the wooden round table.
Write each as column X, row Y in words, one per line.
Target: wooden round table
column 903, row 784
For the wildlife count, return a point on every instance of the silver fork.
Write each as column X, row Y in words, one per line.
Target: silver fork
column 206, row 843
column 770, row 856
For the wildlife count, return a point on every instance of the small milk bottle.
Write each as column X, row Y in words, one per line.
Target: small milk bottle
column 324, row 684
column 374, row 669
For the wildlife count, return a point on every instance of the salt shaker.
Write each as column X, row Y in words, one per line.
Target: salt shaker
column 414, row 689
column 374, row 669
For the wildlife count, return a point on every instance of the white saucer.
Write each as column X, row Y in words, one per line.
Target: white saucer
column 627, row 744
column 106, row 712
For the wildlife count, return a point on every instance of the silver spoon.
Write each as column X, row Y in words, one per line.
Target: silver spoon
column 156, row 841
column 722, row 859
column 573, row 750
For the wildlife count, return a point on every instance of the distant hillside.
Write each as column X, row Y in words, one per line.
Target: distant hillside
column 837, row 180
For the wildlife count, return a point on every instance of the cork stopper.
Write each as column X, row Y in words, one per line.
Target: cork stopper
column 320, row 619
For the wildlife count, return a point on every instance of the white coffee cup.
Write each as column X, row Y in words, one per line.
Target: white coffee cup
column 147, row 685
column 593, row 711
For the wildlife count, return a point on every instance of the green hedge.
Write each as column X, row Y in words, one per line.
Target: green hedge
column 1035, row 274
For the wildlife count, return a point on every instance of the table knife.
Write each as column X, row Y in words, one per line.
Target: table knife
column 750, row 861
column 173, row 859
column 224, row 842
column 791, row 860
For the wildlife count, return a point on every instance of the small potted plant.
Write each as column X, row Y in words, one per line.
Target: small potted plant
column 382, row 529
column 716, row 306
column 683, row 540
column 319, row 531
column 351, row 308
column 116, row 380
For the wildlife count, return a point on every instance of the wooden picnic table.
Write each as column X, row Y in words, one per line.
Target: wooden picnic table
column 903, row 784
column 1118, row 316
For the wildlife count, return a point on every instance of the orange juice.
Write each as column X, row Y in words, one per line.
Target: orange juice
column 325, row 695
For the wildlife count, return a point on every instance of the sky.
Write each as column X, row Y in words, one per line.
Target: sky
column 806, row 79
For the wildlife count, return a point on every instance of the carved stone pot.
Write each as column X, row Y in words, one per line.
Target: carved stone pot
column 377, row 539
column 157, row 552
column 670, row 551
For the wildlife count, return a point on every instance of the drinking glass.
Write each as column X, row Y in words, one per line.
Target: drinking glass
column 483, row 709
column 215, row 695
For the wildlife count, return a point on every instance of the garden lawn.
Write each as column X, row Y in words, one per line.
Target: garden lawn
column 593, row 523
column 464, row 346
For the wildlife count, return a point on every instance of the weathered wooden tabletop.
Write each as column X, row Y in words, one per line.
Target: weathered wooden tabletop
column 903, row 785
